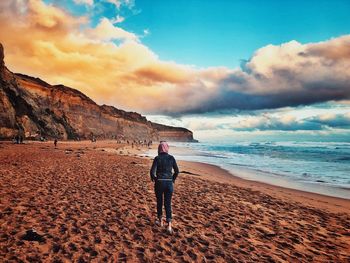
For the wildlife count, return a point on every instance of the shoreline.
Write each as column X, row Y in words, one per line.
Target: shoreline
column 205, row 170
column 265, row 178
column 251, row 175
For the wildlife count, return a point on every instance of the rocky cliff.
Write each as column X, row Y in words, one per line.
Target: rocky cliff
column 34, row 108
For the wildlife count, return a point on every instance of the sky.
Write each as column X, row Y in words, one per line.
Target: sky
column 227, row 70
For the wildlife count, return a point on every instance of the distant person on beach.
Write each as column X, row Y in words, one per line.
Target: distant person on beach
column 55, row 143
column 163, row 178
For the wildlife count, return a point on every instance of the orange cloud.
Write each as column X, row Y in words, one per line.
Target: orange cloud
column 165, row 72
column 48, row 42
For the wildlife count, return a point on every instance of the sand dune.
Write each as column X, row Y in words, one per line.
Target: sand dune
column 86, row 204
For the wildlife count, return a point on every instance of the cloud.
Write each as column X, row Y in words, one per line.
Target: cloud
column 164, row 72
column 333, row 120
column 146, row 32
column 302, row 123
column 289, row 75
column 117, row 19
column 270, row 123
column 113, row 66
column 267, row 122
column 119, row 3
column 42, row 18
column 86, row 2
column 106, row 31
column 13, row 7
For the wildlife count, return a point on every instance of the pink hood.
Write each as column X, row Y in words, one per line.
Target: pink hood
column 163, row 147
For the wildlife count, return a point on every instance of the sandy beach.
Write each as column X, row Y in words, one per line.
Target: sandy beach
column 94, row 202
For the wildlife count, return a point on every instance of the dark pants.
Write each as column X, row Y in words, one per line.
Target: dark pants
column 164, row 191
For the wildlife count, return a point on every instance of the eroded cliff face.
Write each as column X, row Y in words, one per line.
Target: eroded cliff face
column 8, row 121
column 34, row 108
column 178, row 134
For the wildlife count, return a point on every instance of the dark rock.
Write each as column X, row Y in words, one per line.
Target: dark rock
column 73, row 247
column 56, row 248
column 32, row 235
column 57, row 260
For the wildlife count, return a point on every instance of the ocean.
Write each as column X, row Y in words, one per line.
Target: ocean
column 319, row 167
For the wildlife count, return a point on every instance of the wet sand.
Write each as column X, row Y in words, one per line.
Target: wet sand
column 94, row 202
column 215, row 173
